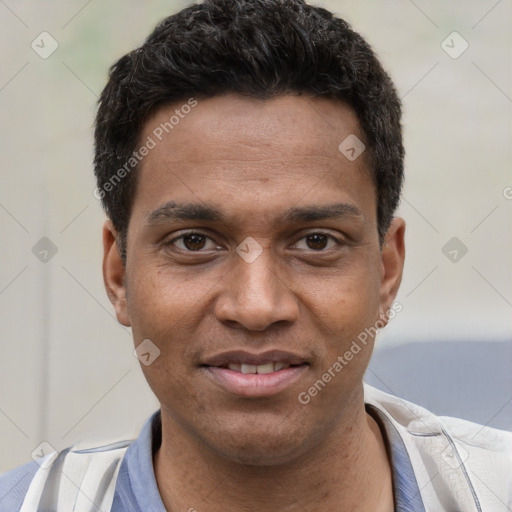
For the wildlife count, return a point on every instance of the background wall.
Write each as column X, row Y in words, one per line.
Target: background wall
column 67, row 370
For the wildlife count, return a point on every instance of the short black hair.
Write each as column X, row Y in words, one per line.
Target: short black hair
column 255, row 48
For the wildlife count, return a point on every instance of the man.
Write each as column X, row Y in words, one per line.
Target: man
column 250, row 160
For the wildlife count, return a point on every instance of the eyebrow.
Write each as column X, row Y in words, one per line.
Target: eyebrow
column 173, row 211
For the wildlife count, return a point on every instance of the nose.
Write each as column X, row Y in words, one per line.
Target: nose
column 254, row 296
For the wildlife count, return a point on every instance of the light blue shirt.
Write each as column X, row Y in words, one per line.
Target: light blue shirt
column 137, row 491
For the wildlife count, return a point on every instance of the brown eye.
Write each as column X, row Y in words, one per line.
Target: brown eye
column 194, row 242
column 317, row 241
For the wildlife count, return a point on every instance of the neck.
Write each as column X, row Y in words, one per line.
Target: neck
column 348, row 470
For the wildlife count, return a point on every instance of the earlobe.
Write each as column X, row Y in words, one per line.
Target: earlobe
column 114, row 273
column 393, row 257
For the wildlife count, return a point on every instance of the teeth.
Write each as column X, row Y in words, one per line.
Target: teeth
column 265, row 368
column 260, row 369
column 248, row 368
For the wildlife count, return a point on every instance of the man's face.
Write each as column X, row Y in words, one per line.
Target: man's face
column 291, row 298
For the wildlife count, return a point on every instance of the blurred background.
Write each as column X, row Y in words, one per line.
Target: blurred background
column 67, row 367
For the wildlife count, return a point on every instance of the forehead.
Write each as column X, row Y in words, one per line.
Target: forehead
column 252, row 154
column 298, row 124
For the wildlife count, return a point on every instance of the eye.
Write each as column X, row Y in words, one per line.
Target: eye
column 193, row 241
column 317, row 242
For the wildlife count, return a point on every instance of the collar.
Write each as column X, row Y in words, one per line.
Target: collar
column 438, row 463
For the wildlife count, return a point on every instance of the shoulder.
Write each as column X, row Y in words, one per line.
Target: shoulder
column 481, row 445
column 418, row 420
column 88, row 468
column 478, row 435
column 72, row 473
column 14, row 485
column 485, row 455
column 451, row 455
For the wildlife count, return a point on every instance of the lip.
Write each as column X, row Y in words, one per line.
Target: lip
column 255, row 385
column 243, row 356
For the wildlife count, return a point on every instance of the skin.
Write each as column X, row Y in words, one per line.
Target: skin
column 253, row 160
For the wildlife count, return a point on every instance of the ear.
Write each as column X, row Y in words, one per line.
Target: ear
column 114, row 273
column 392, row 256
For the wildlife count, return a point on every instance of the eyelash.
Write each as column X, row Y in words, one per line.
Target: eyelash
column 189, row 233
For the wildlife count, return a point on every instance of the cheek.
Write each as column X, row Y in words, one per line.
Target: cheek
column 348, row 310
column 347, row 303
column 350, row 313
column 162, row 303
column 164, row 308
column 170, row 308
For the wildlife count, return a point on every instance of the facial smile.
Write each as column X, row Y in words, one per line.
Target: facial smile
column 255, row 375
column 260, row 369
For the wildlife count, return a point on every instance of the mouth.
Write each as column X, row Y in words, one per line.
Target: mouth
column 260, row 369
column 255, row 375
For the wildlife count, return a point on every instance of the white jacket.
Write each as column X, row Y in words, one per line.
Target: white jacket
column 459, row 466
